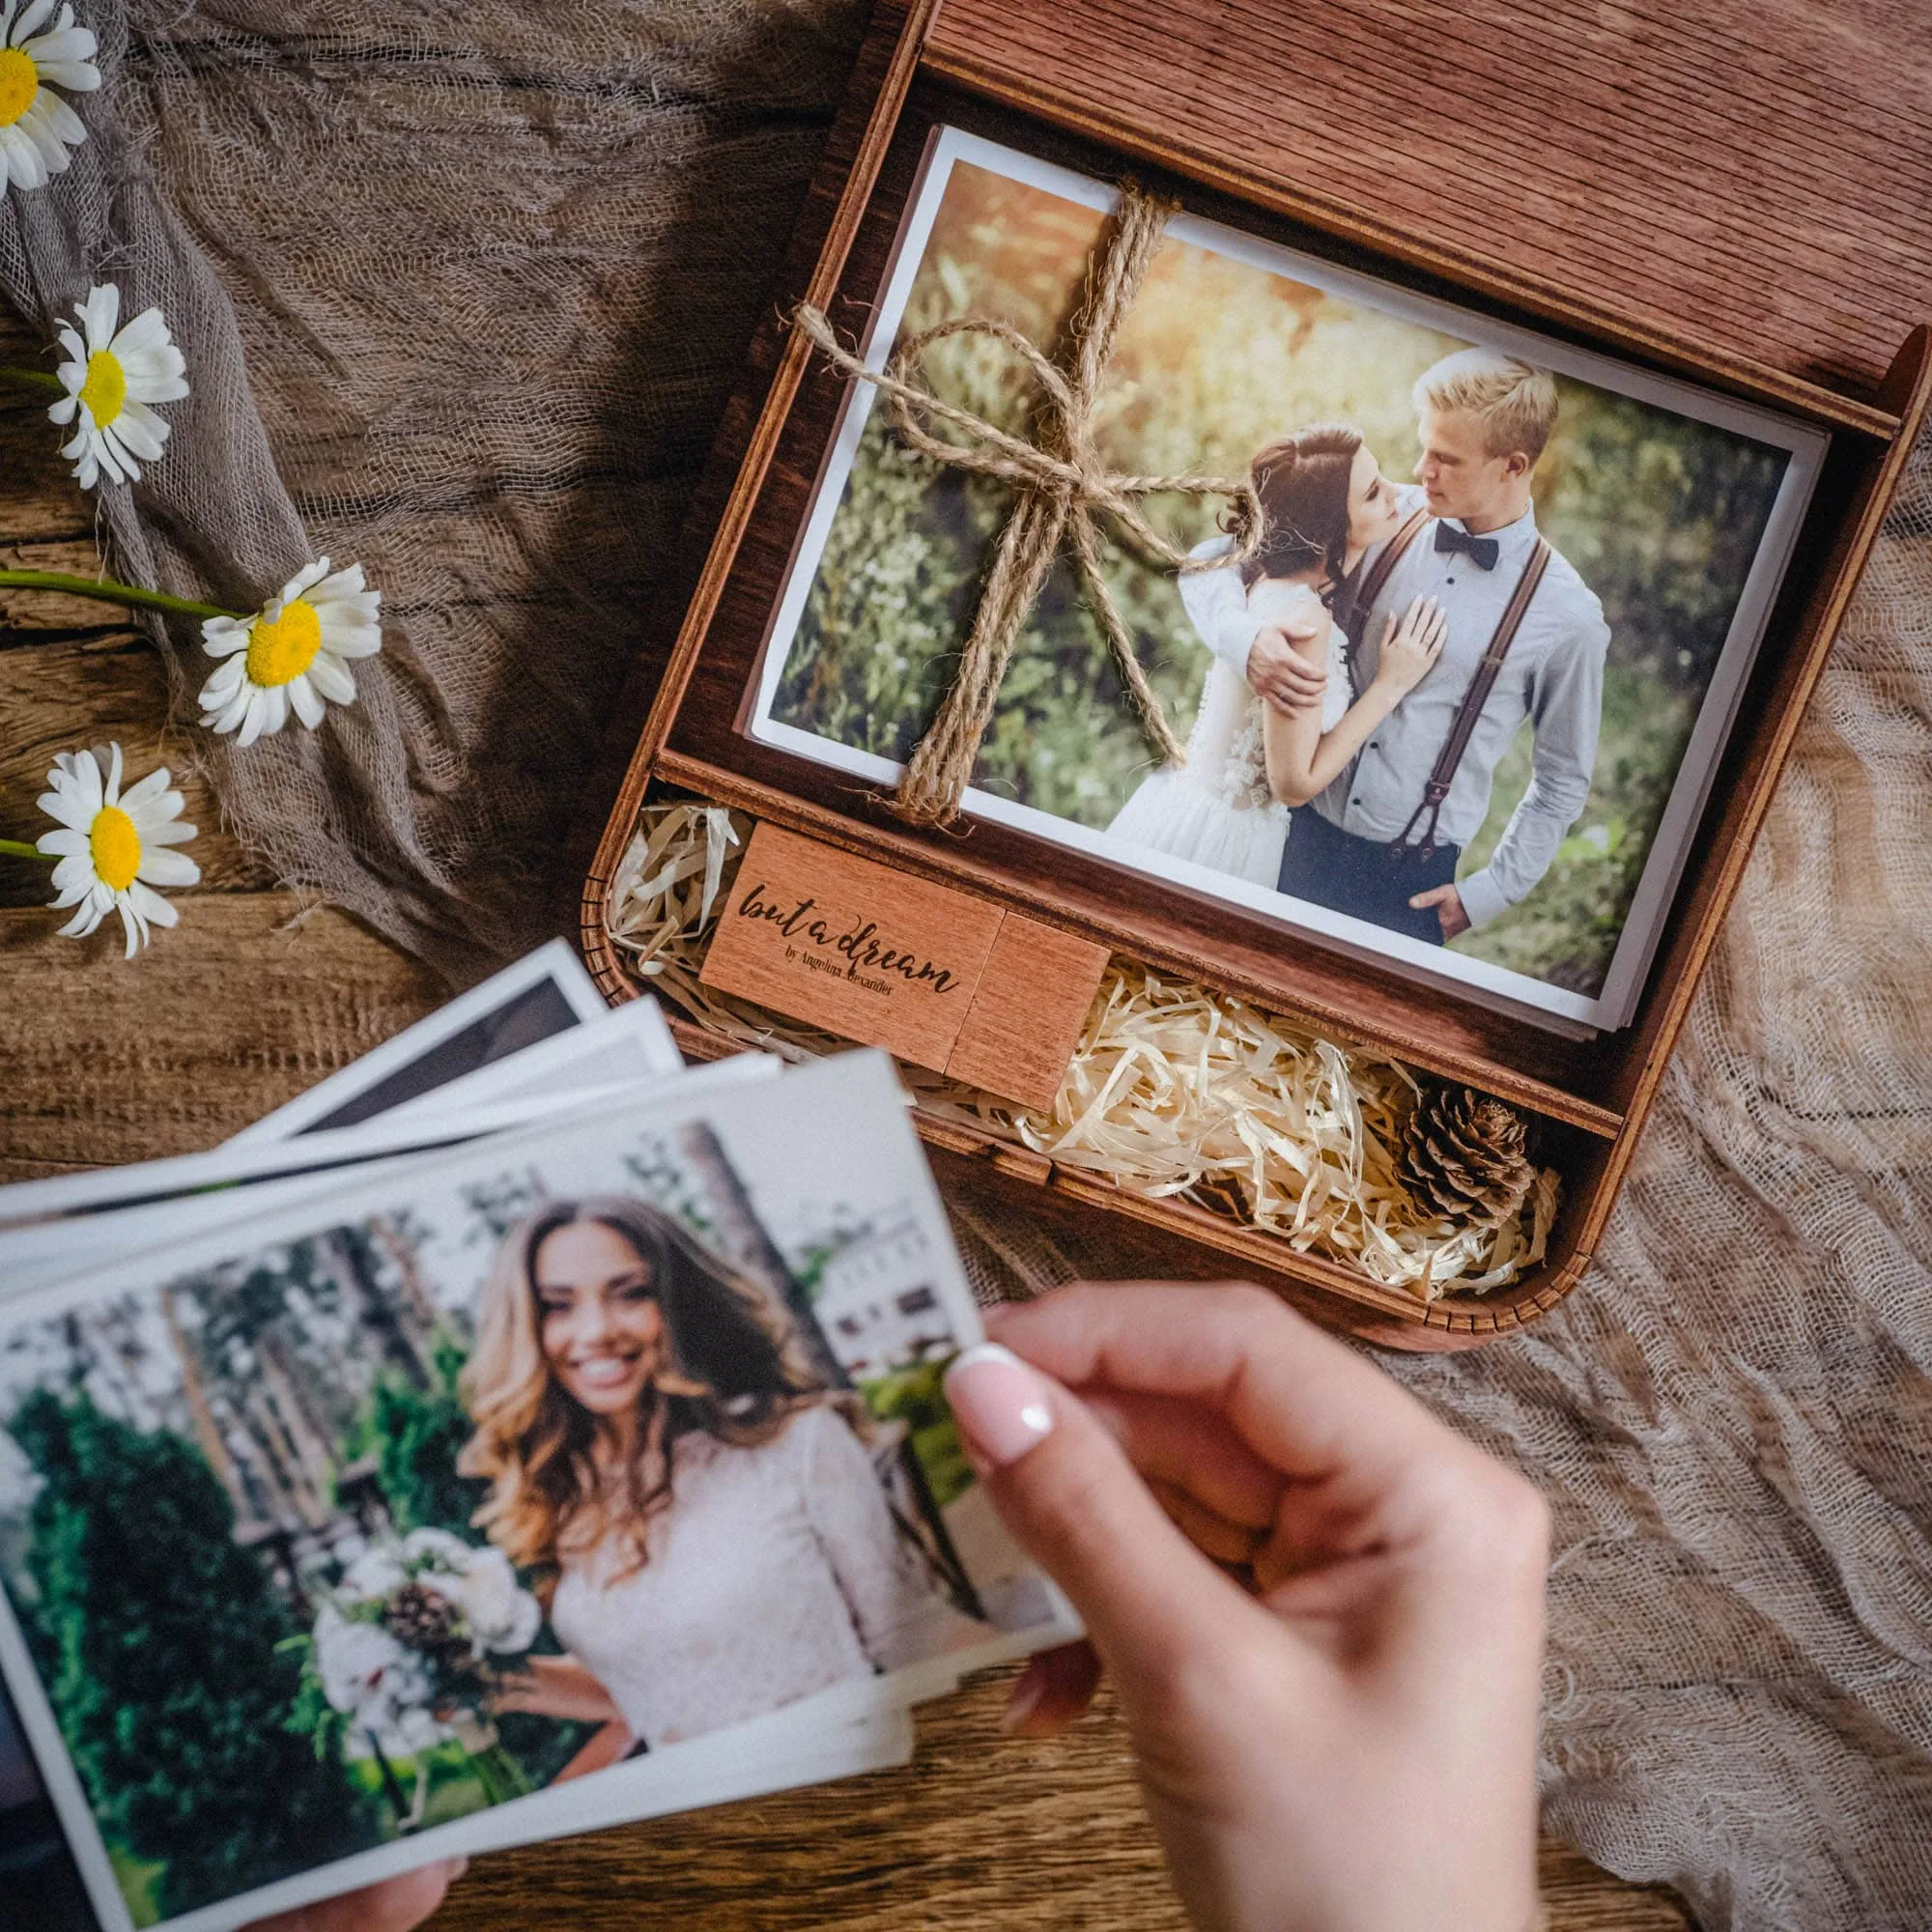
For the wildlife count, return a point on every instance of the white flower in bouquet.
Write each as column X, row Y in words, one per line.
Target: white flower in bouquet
column 111, row 377
column 367, row 1675
column 375, row 1575
column 292, row 654
column 500, row 1614
column 39, row 53
column 503, row 1617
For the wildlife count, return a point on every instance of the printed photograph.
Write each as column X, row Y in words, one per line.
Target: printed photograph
column 542, row 1468
column 1433, row 494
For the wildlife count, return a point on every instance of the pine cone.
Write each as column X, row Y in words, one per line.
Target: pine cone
column 421, row 1618
column 1463, row 1156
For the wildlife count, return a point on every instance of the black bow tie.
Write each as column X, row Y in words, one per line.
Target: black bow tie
column 1482, row 552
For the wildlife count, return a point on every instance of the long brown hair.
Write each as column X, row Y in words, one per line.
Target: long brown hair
column 1301, row 497
column 732, row 1370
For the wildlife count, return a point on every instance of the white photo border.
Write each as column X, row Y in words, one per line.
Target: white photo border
column 1553, row 1008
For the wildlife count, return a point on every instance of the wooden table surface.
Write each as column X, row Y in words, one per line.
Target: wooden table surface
column 256, row 995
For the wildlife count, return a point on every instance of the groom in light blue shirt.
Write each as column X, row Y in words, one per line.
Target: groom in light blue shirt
column 1484, row 421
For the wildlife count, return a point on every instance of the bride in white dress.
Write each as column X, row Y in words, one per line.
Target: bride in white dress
column 710, row 1530
column 1323, row 504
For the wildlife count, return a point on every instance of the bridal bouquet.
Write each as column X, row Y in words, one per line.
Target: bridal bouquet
column 406, row 1650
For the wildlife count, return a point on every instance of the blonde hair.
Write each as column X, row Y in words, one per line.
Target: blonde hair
column 1515, row 403
column 730, row 1370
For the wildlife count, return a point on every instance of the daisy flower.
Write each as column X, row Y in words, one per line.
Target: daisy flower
column 113, row 845
column 37, row 127
column 110, row 377
column 292, row 654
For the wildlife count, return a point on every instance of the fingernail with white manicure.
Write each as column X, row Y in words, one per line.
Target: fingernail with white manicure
column 1003, row 1407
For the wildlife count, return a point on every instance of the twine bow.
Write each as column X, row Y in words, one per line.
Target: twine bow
column 1061, row 488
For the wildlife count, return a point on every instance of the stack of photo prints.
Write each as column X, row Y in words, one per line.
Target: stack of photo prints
column 517, row 1435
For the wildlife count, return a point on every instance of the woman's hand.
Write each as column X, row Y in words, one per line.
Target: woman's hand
column 1410, row 646
column 395, row 1905
column 1321, row 1609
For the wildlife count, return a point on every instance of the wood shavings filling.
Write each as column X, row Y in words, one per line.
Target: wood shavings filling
column 1174, row 1091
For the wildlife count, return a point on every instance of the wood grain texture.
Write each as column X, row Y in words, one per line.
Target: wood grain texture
column 979, row 1831
column 1028, row 1011
column 852, row 945
column 248, row 1001
column 1757, row 177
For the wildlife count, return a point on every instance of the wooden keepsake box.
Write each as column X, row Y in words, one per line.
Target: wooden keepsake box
column 1435, row 157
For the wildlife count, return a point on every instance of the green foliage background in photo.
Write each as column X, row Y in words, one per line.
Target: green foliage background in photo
column 1660, row 515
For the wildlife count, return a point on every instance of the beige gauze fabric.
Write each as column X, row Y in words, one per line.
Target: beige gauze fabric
column 492, row 269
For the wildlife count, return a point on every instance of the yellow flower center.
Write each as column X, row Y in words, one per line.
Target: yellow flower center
column 116, row 848
column 283, row 651
column 19, row 82
column 104, row 393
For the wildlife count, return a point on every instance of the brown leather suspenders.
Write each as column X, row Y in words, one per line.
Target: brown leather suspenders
column 1362, row 598
column 1463, row 729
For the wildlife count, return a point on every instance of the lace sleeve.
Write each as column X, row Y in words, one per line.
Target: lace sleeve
column 847, row 1510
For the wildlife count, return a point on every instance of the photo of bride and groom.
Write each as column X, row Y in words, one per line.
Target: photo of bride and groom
column 1458, row 705
column 1373, row 659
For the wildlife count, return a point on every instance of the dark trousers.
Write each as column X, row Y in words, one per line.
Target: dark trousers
column 1362, row 876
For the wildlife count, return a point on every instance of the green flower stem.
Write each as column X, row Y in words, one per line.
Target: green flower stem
column 110, row 593
column 16, row 848
column 37, row 380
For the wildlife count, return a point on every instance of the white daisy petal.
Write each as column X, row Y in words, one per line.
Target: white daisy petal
column 163, row 866
column 150, row 906
column 230, row 678
column 100, row 314
column 307, row 701
column 62, row 42
column 254, row 715
column 20, row 158
column 84, row 776
column 57, row 844
column 219, row 635
column 141, row 431
column 84, row 922
column 64, row 808
column 138, row 794
column 33, row 18
column 329, row 675
column 59, row 125
column 235, row 712
column 148, row 330
column 275, row 702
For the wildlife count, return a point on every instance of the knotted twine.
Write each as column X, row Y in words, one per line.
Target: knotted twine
column 1061, row 487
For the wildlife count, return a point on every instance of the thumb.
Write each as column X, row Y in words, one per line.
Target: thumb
column 1065, row 1487
column 1433, row 896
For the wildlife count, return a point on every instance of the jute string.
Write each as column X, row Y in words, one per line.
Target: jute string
column 1062, row 487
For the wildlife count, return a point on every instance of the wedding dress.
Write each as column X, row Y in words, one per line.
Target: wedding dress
column 1216, row 810
column 776, row 1570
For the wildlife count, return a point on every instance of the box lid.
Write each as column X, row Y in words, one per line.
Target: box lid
column 1750, row 178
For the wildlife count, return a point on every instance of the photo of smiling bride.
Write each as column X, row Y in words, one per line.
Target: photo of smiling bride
column 707, row 1523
